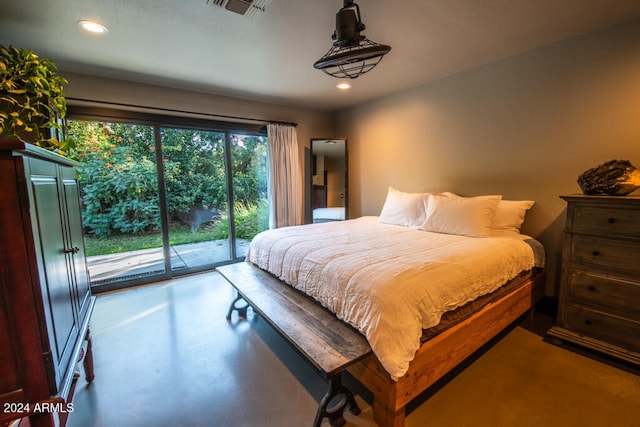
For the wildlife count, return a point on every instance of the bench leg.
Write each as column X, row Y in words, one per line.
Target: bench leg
column 242, row 310
column 335, row 413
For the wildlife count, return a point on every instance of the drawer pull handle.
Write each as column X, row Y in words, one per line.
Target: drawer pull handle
column 595, row 252
column 611, row 220
column 587, row 322
column 591, row 288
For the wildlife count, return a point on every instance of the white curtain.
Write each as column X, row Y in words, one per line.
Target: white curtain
column 286, row 206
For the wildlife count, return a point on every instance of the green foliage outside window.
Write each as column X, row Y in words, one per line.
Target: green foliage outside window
column 120, row 184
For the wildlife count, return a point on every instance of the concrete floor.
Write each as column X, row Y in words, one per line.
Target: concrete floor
column 166, row 356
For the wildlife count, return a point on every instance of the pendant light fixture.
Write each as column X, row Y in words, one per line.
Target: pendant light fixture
column 352, row 54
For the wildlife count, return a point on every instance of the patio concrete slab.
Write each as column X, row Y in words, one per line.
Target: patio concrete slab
column 146, row 262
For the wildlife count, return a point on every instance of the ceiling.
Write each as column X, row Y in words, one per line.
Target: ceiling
column 328, row 147
column 198, row 45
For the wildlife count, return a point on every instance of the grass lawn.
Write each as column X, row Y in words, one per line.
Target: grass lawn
column 178, row 235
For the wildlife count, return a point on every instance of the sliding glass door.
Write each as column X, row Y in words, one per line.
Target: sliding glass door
column 195, row 177
column 144, row 222
column 120, row 199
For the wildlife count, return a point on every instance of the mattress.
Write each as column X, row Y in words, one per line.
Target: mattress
column 451, row 318
column 391, row 282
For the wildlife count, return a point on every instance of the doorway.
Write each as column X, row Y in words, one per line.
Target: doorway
column 329, row 183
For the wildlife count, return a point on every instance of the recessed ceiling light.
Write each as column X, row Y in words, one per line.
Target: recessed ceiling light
column 93, row 27
column 343, row 86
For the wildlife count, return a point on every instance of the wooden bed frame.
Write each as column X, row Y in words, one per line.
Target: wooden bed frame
column 435, row 358
column 442, row 353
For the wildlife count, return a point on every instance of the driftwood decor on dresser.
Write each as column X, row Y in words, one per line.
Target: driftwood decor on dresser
column 613, row 178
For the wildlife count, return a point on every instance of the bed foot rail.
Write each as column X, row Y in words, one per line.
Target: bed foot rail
column 332, row 409
column 241, row 309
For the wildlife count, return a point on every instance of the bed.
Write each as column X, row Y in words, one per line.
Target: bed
column 398, row 278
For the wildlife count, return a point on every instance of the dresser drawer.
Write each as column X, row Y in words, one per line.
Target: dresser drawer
column 612, row 329
column 592, row 289
column 614, row 254
column 606, row 221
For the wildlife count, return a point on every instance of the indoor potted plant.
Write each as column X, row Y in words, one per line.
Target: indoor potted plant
column 32, row 99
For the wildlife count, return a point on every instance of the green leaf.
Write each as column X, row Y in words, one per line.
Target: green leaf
column 33, row 99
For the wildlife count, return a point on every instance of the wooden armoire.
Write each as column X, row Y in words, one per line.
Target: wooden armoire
column 45, row 297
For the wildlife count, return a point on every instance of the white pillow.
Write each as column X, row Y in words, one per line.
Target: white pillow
column 406, row 209
column 465, row 216
column 510, row 216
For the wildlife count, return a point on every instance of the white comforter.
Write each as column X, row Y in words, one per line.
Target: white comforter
column 388, row 281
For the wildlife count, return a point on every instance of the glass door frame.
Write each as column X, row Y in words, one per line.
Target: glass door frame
column 159, row 121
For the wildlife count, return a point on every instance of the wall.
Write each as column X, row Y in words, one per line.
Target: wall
column 525, row 127
column 310, row 123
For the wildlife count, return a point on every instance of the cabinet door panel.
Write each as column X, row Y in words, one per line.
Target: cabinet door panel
column 72, row 196
column 63, row 331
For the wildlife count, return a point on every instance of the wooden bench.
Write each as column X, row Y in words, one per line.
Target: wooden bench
column 328, row 343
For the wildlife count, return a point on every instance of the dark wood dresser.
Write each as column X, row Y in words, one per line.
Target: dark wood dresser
column 599, row 306
column 45, row 298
